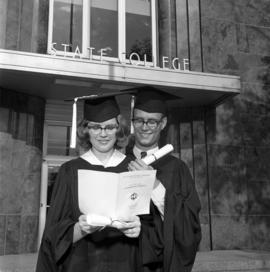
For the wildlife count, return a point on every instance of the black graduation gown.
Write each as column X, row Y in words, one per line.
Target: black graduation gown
column 181, row 230
column 104, row 251
column 181, row 226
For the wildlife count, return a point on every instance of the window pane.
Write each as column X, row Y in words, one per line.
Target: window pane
column 67, row 24
column 52, row 175
column 138, row 28
column 57, row 140
column 104, row 27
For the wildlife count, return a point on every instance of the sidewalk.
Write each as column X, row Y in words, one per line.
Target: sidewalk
column 212, row 261
column 232, row 260
column 18, row 263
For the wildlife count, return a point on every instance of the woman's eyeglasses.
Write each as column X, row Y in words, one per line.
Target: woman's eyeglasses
column 108, row 129
column 151, row 123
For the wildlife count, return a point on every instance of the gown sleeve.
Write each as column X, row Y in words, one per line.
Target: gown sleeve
column 57, row 239
column 151, row 238
column 186, row 223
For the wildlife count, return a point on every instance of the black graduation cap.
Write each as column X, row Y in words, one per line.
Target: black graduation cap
column 101, row 109
column 153, row 100
column 97, row 108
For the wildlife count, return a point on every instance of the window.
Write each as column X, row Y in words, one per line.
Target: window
column 107, row 29
column 67, row 24
column 58, row 139
column 138, row 28
column 104, row 26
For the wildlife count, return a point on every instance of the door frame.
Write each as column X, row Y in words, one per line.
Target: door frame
column 49, row 160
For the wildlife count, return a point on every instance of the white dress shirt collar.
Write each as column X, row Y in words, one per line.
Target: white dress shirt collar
column 116, row 158
column 137, row 151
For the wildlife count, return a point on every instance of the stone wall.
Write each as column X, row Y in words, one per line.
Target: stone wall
column 227, row 148
column 21, row 131
column 236, row 40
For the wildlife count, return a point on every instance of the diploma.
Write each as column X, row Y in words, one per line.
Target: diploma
column 98, row 220
column 158, row 154
column 105, row 196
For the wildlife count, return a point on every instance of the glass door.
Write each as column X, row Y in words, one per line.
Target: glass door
column 50, row 168
column 56, row 151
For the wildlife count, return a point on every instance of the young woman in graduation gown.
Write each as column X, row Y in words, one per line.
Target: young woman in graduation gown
column 69, row 243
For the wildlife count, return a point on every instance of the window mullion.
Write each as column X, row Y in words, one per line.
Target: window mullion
column 154, row 32
column 121, row 30
column 50, row 26
column 86, row 27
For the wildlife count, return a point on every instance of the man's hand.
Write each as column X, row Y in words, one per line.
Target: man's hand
column 130, row 226
column 138, row 165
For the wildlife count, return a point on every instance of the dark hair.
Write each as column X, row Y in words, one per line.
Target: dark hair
column 121, row 134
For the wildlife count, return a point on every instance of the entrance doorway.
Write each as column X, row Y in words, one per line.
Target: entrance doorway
column 56, row 151
column 50, row 168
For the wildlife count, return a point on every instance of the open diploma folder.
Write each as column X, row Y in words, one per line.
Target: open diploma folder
column 115, row 195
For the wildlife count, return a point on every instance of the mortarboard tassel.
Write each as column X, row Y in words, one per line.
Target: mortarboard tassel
column 74, row 124
column 132, row 103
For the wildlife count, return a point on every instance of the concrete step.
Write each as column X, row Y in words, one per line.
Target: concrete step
column 232, row 260
column 211, row 261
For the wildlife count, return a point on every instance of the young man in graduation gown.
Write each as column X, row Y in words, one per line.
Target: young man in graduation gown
column 176, row 203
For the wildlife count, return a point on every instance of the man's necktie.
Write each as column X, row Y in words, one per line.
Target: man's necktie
column 143, row 154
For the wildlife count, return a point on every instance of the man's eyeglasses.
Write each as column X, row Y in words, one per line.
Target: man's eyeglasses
column 151, row 123
column 97, row 129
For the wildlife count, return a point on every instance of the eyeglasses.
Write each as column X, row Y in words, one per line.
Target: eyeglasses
column 151, row 123
column 97, row 129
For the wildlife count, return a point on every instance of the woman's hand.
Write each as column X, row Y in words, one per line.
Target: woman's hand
column 82, row 228
column 130, row 226
column 85, row 227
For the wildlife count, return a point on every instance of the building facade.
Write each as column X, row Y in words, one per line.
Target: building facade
column 213, row 54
